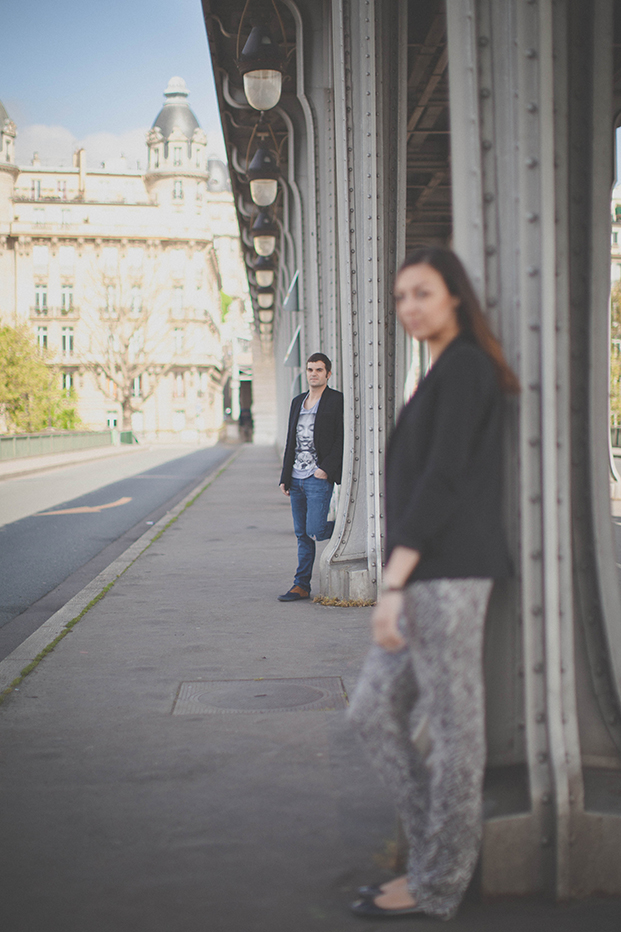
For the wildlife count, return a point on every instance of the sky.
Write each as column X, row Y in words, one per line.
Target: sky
column 92, row 73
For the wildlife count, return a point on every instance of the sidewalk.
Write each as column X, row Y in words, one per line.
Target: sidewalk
column 131, row 802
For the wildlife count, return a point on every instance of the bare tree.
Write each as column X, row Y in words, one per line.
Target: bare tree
column 131, row 343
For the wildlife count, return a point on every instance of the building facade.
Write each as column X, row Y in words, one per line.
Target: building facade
column 121, row 276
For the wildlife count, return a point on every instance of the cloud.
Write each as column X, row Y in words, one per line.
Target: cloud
column 56, row 145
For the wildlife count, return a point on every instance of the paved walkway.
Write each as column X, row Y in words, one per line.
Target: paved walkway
column 119, row 814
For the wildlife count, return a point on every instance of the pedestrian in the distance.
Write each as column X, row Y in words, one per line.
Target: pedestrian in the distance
column 312, row 463
column 419, row 704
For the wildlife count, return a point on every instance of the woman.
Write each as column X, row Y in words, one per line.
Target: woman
column 419, row 705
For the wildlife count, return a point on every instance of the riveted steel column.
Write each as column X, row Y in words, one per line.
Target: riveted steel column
column 508, row 68
column 367, row 49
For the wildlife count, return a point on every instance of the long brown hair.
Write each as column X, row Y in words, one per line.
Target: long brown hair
column 469, row 313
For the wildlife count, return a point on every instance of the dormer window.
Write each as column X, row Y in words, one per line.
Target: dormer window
column 198, row 158
column 156, row 158
column 177, row 150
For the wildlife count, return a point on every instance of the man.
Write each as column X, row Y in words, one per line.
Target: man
column 312, row 463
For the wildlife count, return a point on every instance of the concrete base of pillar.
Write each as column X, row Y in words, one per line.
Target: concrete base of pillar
column 350, row 580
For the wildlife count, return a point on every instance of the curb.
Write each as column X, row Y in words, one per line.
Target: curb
column 30, row 652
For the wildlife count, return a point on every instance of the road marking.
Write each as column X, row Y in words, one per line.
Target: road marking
column 87, row 509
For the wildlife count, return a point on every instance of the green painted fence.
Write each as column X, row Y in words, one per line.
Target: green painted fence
column 18, row 445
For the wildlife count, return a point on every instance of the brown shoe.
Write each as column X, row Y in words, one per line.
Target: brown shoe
column 294, row 595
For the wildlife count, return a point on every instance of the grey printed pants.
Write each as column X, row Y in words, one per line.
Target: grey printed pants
column 420, row 713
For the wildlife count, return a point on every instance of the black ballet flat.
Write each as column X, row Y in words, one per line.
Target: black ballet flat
column 371, row 890
column 370, row 910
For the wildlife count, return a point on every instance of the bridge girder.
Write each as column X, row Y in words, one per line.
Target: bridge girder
column 517, row 176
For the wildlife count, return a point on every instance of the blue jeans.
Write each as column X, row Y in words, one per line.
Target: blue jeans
column 310, row 501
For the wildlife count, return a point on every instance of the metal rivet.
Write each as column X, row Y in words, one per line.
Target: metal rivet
column 532, row 270
column 488, row 198
column 487, row 144
column 532, row 107
column 531, row 162
column 485, row 92
column 531, row 53
column 532, row 217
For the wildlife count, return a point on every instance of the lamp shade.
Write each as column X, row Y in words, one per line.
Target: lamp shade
column 260, row 63
column 263, row 174
column 265, row 298
column 264, row 277
column 264, row 232
column 264, row 271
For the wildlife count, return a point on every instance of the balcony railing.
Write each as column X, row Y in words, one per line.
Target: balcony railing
column 61, row 313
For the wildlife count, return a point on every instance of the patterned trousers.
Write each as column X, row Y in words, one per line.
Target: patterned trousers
column 420, row 713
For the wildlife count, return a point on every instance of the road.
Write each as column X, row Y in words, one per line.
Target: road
column 54, row 541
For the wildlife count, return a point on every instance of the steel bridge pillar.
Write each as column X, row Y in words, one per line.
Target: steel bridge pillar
column 369, row 41
column 532, row 134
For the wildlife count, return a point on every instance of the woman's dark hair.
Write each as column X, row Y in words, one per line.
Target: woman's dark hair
column 469, row 314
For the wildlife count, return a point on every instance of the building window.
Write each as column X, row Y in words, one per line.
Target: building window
column 178, row 420
column 615, row 238
column 136, row 301
column 65, row 217
column 35, row 189
column 137, row 387
column 112, row 419
column 67, row 382
column 199, row 193
column 156, row 158
column 61, row 188
column 67, row 341
column 110, row 300
column 42, row 338
column 177, row 155
column 178, row 191
column 179, row 385
column 41, row 299
column 39, row 215
column 198, row 157
column 178, row 340
column 66, row 299
column 177, row 301
column 110, row 388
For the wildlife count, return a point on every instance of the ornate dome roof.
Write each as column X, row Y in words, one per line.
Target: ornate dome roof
column 176, row 111
column 3, row 114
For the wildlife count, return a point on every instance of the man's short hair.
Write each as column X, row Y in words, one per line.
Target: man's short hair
column 320, row 357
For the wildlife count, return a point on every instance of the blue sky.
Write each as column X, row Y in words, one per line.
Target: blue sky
column 93, row 72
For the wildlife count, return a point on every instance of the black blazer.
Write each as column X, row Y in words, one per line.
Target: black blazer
column 443, row 469
column 328, row 436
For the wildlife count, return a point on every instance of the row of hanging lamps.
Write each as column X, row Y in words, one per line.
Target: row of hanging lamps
column 261, row 66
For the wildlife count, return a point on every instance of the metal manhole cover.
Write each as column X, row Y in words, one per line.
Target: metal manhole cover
column 306, row 694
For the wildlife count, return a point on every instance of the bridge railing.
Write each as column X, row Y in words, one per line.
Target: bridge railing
column 15, row 446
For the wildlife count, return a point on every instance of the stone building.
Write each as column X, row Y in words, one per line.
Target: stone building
column 120, row 275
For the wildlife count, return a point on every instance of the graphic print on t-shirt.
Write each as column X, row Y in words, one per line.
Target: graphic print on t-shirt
column 305, row 462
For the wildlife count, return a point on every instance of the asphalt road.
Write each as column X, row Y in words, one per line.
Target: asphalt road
column 49, row 556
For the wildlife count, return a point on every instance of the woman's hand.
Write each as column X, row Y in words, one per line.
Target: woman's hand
column 385, row 621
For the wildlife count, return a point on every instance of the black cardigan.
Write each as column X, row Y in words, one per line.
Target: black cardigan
column 328, row 436
column 443, row 470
